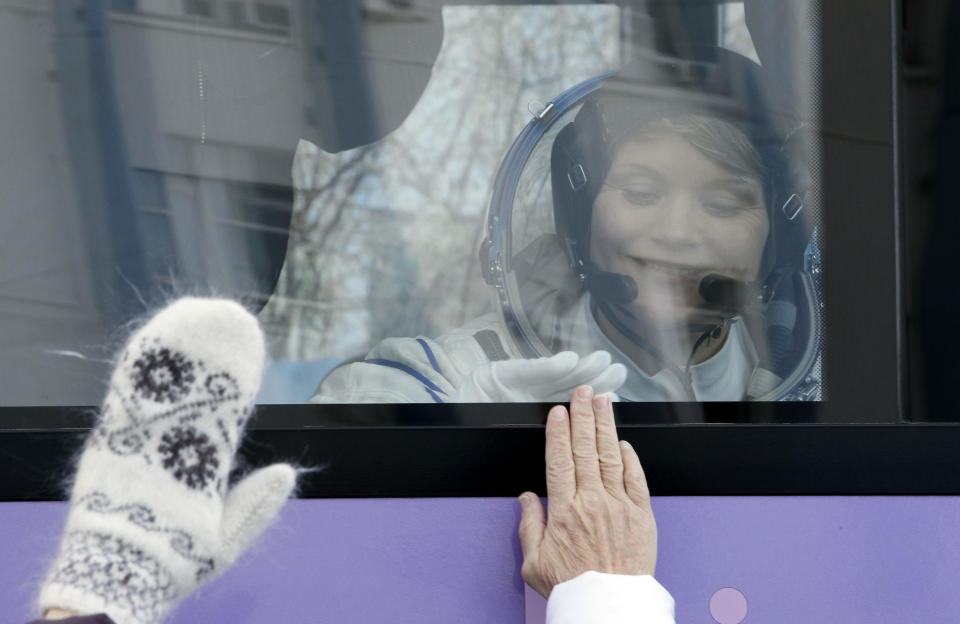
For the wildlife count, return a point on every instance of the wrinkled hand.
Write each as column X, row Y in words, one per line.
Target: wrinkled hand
column 541, row 379
column 600, row 517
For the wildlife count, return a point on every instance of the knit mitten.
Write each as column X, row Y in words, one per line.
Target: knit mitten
column 151, row 516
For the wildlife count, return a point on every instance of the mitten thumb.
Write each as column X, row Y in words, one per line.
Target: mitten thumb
column 251, row 506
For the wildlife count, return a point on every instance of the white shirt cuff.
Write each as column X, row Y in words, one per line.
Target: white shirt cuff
column 599, row 598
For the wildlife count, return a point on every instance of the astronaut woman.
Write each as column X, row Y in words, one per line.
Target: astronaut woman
column 673, row 270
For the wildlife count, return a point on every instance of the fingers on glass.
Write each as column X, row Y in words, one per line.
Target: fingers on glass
column 584, row 438
column 561, row 479
column 635, row 481
column 608, row 446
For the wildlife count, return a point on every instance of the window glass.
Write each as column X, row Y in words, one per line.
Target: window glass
column 423, row 201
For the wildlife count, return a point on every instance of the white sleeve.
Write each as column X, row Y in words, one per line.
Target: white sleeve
column 397, row 370
column 598, row 598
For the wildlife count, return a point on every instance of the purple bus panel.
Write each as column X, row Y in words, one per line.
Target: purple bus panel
column 788, row 560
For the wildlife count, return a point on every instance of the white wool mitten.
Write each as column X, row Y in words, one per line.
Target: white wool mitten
column 151, row 516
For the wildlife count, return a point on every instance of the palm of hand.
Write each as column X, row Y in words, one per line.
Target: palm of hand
column 603, row 533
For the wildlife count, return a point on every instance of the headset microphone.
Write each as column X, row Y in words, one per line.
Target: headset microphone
column 717, row 290
column 724, row 292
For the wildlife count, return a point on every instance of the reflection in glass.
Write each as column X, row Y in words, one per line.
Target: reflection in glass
column 587, row 152
column 664, row 215
column 675, row 235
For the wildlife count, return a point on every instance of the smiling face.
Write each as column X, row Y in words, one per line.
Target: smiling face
column 667, row 216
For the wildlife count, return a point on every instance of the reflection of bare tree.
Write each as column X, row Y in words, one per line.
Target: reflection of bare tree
column 384, row 237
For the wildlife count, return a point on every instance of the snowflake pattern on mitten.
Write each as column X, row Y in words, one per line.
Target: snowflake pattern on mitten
column 155, row 394
column 151, row 517
column 190, row 456
column 161, row 375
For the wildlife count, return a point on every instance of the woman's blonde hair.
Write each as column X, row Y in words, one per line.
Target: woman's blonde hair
column 718, row 140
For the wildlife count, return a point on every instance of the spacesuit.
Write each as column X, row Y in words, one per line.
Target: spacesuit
column 672, row 259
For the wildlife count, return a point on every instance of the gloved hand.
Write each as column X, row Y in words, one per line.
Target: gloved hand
column 151, row 516
column 540, row 380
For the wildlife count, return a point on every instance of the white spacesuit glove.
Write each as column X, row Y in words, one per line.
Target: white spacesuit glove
column 152, row 515
column 540, row 380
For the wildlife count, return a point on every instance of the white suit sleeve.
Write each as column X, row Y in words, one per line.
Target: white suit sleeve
column 598, row 598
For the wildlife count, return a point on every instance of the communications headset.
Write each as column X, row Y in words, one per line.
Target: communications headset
column 715, row 82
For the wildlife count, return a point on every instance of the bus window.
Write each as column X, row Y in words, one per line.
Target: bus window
column 432, row 202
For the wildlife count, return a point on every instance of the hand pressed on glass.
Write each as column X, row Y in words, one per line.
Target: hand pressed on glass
column 600, row 516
